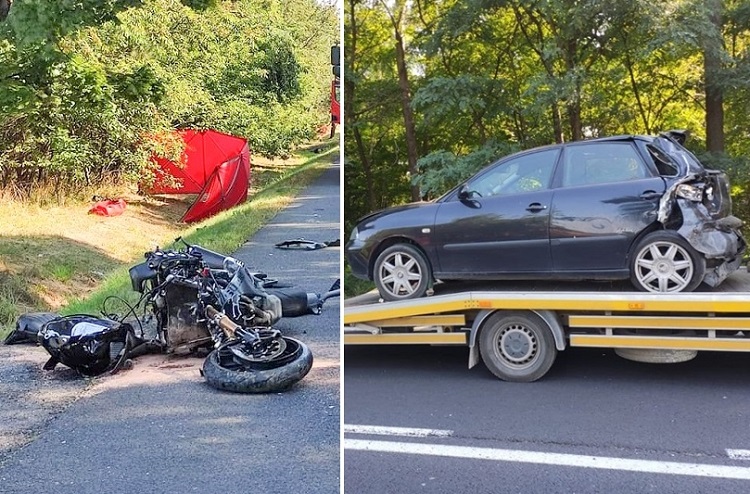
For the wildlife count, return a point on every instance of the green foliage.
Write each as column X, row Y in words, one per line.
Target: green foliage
column 492, row 76
column 88, row 88
column 200, row 4
column 442, row 170
column 281, row 69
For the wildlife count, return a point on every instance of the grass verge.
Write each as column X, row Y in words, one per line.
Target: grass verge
column 29, row 279
column 354, row 286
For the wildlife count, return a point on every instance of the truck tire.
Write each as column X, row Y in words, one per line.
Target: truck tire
column 517, row 346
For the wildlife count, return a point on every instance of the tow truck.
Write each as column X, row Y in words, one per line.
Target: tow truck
column 517, row 328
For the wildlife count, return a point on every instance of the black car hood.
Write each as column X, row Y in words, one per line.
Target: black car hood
column 395, row 209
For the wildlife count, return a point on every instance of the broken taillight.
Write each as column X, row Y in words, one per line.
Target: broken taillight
column 690, row 192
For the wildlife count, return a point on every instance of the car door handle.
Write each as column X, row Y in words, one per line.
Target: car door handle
column 650, row 194
column 535, row 207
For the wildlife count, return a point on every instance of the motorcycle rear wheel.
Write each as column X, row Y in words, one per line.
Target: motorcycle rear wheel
column 224, row 371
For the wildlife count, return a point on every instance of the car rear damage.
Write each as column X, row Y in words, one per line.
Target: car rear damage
column 698, row 206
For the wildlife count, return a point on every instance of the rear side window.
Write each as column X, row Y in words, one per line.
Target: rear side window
column 602, row 162
column 665, row 164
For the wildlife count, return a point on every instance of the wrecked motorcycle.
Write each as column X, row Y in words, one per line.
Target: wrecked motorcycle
column 200, row 300
column 193, row 300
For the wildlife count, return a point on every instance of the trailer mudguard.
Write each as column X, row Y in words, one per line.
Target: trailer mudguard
column 548, row 316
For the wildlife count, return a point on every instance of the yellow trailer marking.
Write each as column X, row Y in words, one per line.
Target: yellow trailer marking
column 406, row 339
column 660, row 322
column 436, row 320
column 660, row 343
column 555, row 301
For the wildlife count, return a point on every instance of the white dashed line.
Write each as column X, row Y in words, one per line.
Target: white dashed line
column 739, row 454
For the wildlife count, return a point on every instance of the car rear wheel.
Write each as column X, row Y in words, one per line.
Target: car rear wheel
column 401, row 272
column 664, row 262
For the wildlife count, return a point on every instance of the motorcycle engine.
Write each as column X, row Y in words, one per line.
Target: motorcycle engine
column 184, row 333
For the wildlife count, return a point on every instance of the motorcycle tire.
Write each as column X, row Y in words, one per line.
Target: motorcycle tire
column 270, row 376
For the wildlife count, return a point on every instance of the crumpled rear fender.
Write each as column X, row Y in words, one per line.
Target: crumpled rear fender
column 715, row 239
column 719, row 241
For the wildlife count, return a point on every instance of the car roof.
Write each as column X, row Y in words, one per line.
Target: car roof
column 624, row 137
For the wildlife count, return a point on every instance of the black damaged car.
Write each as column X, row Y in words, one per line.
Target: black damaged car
column 637, row 207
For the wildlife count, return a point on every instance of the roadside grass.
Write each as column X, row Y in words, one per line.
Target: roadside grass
column 354, row 286
column 61, row 259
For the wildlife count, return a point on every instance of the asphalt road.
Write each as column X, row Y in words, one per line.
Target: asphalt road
column 158, row 428
column 577, row 430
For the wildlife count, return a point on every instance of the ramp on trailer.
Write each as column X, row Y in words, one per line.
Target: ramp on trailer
column 518, row 327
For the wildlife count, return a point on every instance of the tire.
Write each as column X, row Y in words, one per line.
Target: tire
column 663, row 262
column 517, row 346
column 401, row 272
column 656, row 356
column 225, row 373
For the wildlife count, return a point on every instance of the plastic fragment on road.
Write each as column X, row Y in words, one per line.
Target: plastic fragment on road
column 301, row 243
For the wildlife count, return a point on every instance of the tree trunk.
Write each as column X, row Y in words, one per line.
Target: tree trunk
column 557, row 124
column 4, row 8
column 409, row 127
column 573, row 106
column 574, row 118
column 712, row 69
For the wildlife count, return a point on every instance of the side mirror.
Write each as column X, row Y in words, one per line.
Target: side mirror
column 464, row 194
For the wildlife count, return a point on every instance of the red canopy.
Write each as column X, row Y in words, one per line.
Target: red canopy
column 216, row 166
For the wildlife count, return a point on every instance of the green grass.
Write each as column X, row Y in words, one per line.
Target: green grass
column 354, row 286
column 8, row 307
column 63, row 272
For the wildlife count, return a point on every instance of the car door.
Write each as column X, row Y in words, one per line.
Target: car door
column 502, row 225
column 607, row 195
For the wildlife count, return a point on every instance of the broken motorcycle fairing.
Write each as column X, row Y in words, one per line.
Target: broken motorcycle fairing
column 698, row 206
column 28, row 327
column 88, row 344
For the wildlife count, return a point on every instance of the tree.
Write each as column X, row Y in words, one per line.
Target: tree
column 5, row 8
column 397, row 15
column 712, row 69
column 87, row 87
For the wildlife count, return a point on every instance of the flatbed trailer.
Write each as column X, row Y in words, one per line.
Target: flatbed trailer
column 518, row 328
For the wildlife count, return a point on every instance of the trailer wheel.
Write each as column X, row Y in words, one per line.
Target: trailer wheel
column 517, row 346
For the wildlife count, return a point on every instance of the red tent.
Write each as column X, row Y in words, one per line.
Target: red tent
column 216, row 166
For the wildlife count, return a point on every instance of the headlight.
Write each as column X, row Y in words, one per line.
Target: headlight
column 690, row 192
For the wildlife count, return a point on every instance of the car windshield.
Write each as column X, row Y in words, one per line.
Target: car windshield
column 684, row 158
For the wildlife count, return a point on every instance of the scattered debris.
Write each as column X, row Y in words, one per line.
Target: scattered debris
column 301, row 243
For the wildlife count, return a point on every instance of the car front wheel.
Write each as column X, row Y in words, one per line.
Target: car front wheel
column 401, row 272
column 664, row 262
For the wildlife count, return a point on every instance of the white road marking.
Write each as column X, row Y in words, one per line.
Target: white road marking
column 560, row 459
column 395, row 431
column 739, row 454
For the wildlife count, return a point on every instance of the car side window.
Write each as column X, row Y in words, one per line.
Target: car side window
column 663, row 162
column 602, row 162
column 527, row 173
